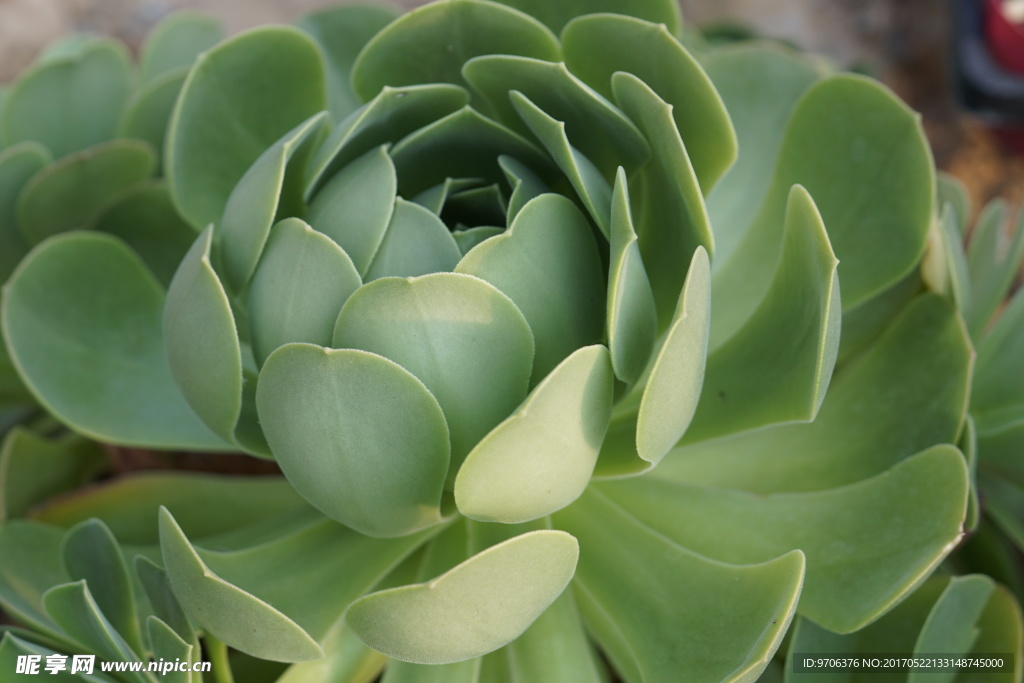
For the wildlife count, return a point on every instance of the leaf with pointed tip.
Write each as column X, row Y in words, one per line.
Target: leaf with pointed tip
column 759, row 85
column 430, row 44
column 585, row 178
column 91, row 554
column 664, row 613
column 597, row 47
column 83, row 92
column 298, row 289
column 475, row 608
column 524, row 182
column 128, row 504
column 72, row 607
column 175, row 43
column 997, row 387
column 867, row 544
column 593, row 125
column 32, row 565
column 94, row 356
column 464, row 339
column 541, row 457
column 463, row 144
column 993, row 264
column 949, row 190
column 161, row 598
column 390, row 116
column 470, row 237
column 416, row 243
column 69, row 194
column 548, row 264
column 864, row 426
column 777, row 368
column 33, row 468
column 1002, row 630
column 149, row 111
column 240, row 619
column 671, row 218
column 238, row 100
column 18, row 164
column 342, row 32
column 862, row 155
column 631, row 320
column 357, row 435
column 951, row 625
column 168, row 646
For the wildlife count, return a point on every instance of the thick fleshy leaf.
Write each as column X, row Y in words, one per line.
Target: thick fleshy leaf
column 997, row 386
column 342, row 32
column 949, row 190
column 220, row 607
column 73, row 608
column 540, row 459
column 32, row 565
column 390, row 116
column 525, row 185
column 416, row 243
column 592, row 123
column 83, row 91
column 464, row 144
column 148, row 113
column 161, row 598
column 176, row 42
column 470, row 237
column 557, row 15
column 239, row 99
column 867, row 544
column 777, row 368
column 434, row 198
column 94, row 355
column 33, row 468
column 355, row 207
column 631, row 321
column 18, row 164
column 430, row 44
column 862, row 325
column 475, row 608
column 298, row 289
column 555, row 645
column 596, row 47
column 168, row 646
column 993, row 263
column 865, row 425
column 759, row 84
column 358, row 436
column 464, row 339
column 202, row 341
column 346, row 658
column 944, row 267
column 69, row 194
column 547, row 262
column 128, row 505
column 664, row 613
column 862, row 156
column 671, row 219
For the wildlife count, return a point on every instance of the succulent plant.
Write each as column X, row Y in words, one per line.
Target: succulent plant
column 540, row 318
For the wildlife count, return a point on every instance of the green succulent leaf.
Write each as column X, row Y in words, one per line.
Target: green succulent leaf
column 357, row 435
column 32, row 565
column 993, row 262
column 664, row 613
column 540, row 459
column 944, row 269
column 415, row 243
column 73, row 608
column 430, row 44
column 69, row 194
column 149, row 111
column 18, row 164
column 83, row 92
column 997, row 390
column 597, row 47
column 949, row 190
column 473, row 348
column 162, row 601
column 168, row 646
column 474, row 608
column 470, row 237
column 342, row 32
column 751, row 382
column 176, row 42
column 555, row 645
column 525, row 184
column 238, row 100
column 876, row 538
column 548, row 264
column 557, row 15
column 95, row 355
column 240, row 619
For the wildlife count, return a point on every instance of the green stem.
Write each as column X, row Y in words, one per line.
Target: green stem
column 218, row 654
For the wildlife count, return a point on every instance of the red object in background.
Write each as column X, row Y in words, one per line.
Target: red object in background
column 1005, row 39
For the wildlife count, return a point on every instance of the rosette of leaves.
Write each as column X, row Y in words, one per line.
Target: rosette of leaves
column 546, row 330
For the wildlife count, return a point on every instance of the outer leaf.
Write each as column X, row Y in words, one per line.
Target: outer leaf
column 475, row 608
column 430, row 44
column 69, row 194
column 540, row 459
column 222, row 608
column 663, row 613
column 298, row 288
column 416, row 243
column 168, row 646
column 240, row 98
column 464, row 339
column 95, row 355
column 596, row 47
column 32, row 565
column 548, row 263
column 557, row 15
column 18, row 164
column 358, row 436
column 73, row 608
column 84, row 93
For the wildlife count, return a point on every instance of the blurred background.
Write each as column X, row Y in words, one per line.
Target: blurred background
column 908, row 44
